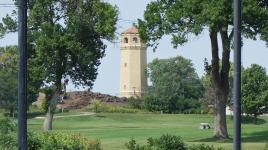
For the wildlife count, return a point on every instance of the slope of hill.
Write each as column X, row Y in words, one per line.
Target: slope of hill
column 81, row 99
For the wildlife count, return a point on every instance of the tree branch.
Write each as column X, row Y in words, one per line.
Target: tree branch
column 225, row 60
column 215, row 58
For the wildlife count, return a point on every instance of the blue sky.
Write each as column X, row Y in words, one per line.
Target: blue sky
column 197, row 49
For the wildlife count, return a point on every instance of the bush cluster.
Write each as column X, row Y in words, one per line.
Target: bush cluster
column 135, row 102
column 266, row 146
column 167, row 142
column 180, row 105
column 203, row 147
column 97, row 106
column 44, row 141
column 7, row 134
column 154, row 103
column 55, row 141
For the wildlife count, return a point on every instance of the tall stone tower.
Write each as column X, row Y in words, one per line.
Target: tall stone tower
column 133, row 62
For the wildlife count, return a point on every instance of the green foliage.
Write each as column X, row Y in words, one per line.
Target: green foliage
column 167, row 142
column 8, row 78
column 135, row 102
column 7, row 137
column 108, row 108
column 208, row 98
column 175, row 86
column 54, row 141
column 254, row 90
column 33, row 141
column 203, row 147
column 132, row 145
column 183, row 19
column 72, row 49
column 66, row 39
column 266, row 146
column 180, row 18
column 8, row 25
column 7, row 126
column 97, row 106
column 48, row 91
column 45, row 140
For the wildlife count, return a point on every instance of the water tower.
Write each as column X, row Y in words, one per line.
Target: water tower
column 133, row 63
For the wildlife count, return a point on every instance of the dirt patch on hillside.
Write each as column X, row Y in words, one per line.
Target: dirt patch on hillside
column 81, row 99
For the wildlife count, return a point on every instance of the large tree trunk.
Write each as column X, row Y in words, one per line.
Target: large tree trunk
column 220, row 126
column 49, row 116
column 220, row 80
column 48, row 120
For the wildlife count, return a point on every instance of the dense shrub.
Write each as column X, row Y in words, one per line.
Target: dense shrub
column 44, row 141
column 55, row 141
column 203, row 147
column 182, row 105
column 117, row 109
column 7, row 138
column 33, row 141
column 188, row 106
column 136, row 102
column 152, row 103
column 175, row 87
column 167, row 142
column 132, row 145
column 97, row 106
column 266, row 146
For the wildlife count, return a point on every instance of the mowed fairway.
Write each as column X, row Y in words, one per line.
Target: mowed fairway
column 114, row 130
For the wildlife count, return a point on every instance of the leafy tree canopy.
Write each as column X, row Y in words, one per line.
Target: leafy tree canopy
column 183, row 19
column 8, row 78
column 173, row 81
column 66, row 40
column 254, row 90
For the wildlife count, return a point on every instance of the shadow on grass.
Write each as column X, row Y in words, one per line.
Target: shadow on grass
column 252, row 120
column 100, row 116
column 212, row 139
column 255, row 137
column 31, row 115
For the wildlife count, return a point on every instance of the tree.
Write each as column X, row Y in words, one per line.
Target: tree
column 9, row 78
column 183, row 19
column 175, row 85
column 65, row 40
column 209, row 95
column 254, row 90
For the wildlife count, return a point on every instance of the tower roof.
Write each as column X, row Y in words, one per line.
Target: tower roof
column 131, row 30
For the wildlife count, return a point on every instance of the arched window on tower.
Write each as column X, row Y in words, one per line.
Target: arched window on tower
column 135, row 40
column 125, row 40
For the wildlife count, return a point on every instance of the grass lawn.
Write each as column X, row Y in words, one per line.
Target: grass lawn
column 114, row 130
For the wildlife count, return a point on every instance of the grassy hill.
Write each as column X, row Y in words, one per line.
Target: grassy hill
column 114, row 129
